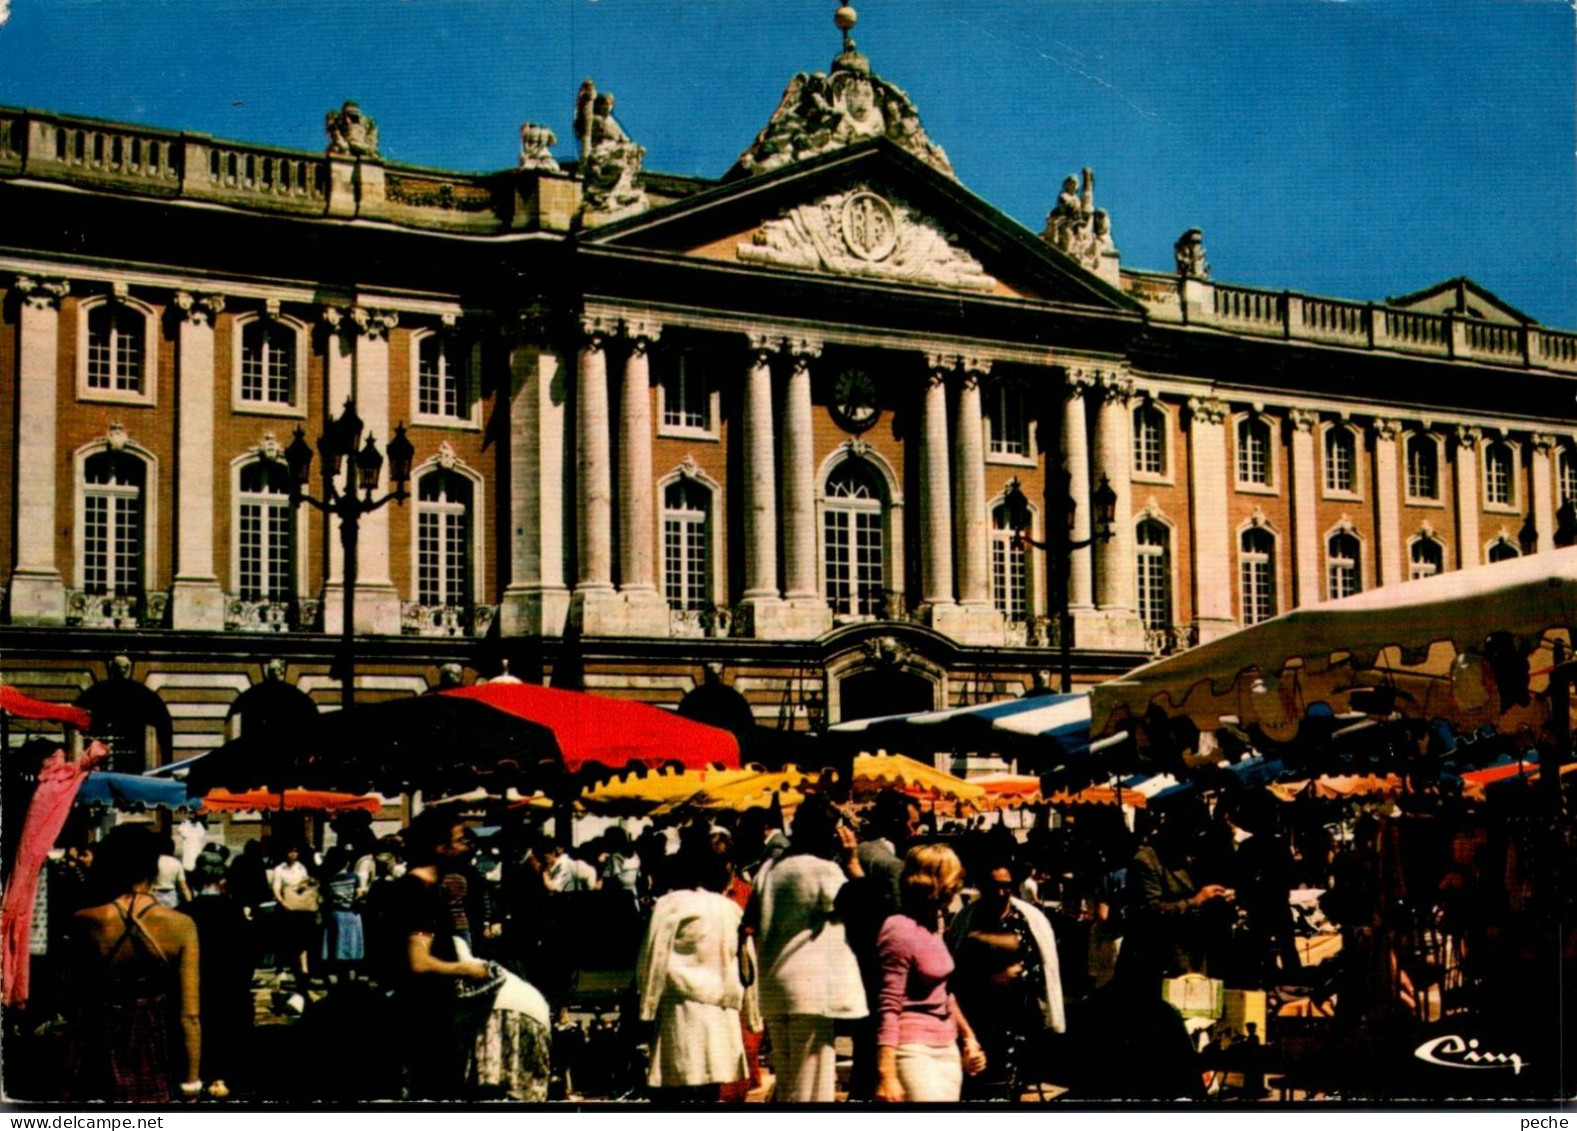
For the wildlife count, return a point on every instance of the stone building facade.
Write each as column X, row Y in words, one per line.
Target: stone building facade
column 767, row 425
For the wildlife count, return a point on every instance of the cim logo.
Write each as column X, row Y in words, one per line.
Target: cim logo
column 1453, row 1051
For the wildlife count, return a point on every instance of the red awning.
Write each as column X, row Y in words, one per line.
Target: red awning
column 20, row 706
column 614, row 732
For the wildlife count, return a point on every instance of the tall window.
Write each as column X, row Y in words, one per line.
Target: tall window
column 1427, row 559
column 1423, row 467
column 1340, row 458
column 441, row 377
column 687, row 545
column 1342, row 573
column 1149, row 440
column 443, row 539
column 1257, row 561
column 1502, row 551
column 1254, row 452
column 1566, row 461
column 1009, row 568
column 1153, row 551
column 1497, row 475
column 266, row 541
column 1007, row 420
column 687, row 403
column 112, row 524
column 854, row 536
column 268, row 363
column 115, row 348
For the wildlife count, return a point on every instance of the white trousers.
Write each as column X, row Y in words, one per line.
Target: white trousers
column 930, row 1074
column 802, row 1058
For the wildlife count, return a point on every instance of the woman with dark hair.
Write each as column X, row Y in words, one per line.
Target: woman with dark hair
column 809, row 978
column 297, row 894
column 137, row 959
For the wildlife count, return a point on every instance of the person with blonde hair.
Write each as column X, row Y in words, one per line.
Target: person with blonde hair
column 924, row 1042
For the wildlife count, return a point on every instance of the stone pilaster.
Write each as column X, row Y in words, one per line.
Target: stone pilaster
column 1117, row 624
column 806, row 614
column 1469, row 552
column 196, row 598
column 975, row 619
column 1076, row 457
column 536, row 600
column 1305, row 517
column 1387, row 503
column 1212, row 540
column 936, row 491
column 37, row 592
column 1541, row 469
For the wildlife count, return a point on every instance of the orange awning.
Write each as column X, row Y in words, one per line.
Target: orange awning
column 312, row 800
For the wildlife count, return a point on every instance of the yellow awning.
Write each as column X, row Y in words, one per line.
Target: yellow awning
column 637, row 790
column 907, row 774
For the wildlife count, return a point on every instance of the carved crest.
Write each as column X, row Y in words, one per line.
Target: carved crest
column 115, row 438
column 269, row 447
column 446, row 457
column 863, row 234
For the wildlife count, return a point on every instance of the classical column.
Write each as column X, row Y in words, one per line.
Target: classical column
column 196, row 598
column 536, row 601
column 593, row 470
column 377, row 598
column 1387, row 503
column 969, row 464
column 1114, row 577
column 1212, row 540
column 760, row 469
column 38, row 592
column 1076, row 457
column 1469, row 552
column 936, row 503
column 1541, row 468
column 1305, row 517
column 637, row 521
column 809, row 615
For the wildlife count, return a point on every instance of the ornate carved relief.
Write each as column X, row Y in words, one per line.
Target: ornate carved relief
column 861, row 233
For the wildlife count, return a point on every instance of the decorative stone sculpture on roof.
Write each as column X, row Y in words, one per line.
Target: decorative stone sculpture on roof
column 1190, row 252
column 536, row 148
column 610, row 163
column 351, row 132
column 823, row 112
column 1076, row 227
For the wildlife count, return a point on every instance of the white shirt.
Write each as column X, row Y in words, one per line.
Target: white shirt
column 570, row 874
column 806, row 963
column 170, row 874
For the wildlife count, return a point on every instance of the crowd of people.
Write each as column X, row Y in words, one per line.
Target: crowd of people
column 960, row 962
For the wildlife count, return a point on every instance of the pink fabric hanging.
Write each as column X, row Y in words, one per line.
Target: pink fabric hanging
column 58, row 783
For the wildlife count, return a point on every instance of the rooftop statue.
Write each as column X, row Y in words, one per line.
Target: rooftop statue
column 1075, row 226
column 610, row 163
column 351, row 132
column 823, row 112
column 1190, row 252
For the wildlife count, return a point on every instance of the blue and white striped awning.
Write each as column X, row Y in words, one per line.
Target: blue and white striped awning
column 1065, row 718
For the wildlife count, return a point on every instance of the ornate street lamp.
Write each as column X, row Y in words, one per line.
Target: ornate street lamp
column 1061, row 549
column 341, row 447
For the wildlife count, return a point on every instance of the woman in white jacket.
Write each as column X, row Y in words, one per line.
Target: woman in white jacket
column 688, row 978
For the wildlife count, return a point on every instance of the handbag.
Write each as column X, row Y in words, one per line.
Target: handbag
column 301, row 897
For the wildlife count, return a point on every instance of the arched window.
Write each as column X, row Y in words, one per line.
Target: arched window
column 268, row 363
column 1257, row 562
column 1149, row 440
column 116, row 347
column 854, row 528
column 1153, row 553
column 442, row 386
column 687, row 545
column 1499, row 489
column 443, row 539
column 112, row 523
column 1501, row 550
column 1343, row 573
column 1253, row 463
column 1427, row 558
column 265, row 543
column 1009, row 568
column 1007, row 420
column 1423, row 467
column 1341, row 457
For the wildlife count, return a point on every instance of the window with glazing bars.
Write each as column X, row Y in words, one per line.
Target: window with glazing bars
column 1427, row 559
column 686, row 401
column 1253, row 452
column 1497, row 474
column 266, row 533
column 115, row 348
column 1257, row 562
column 1149, row 440
column 1009, row 569
column 687, row 546
column 1343, row 578
column 1008, row 422
column 1567, row 461
column 853, row 525
column 441, row 378
column 112, row 524
column 443, row 539
column 1423, row 468
column 268, row 363
column 1153, row 553
column 1340, row 452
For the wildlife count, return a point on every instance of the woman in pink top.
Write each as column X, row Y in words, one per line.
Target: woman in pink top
column 920, row 1030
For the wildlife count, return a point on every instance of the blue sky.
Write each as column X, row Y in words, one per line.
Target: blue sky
column 1356, row 148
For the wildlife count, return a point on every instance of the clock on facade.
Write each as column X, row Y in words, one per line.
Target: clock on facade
column 854, row 404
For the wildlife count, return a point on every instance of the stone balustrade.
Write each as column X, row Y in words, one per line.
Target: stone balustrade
column 116, row 610
column 446, row 620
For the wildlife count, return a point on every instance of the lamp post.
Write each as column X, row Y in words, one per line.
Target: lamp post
column 1062, row 547
column 341, row 446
